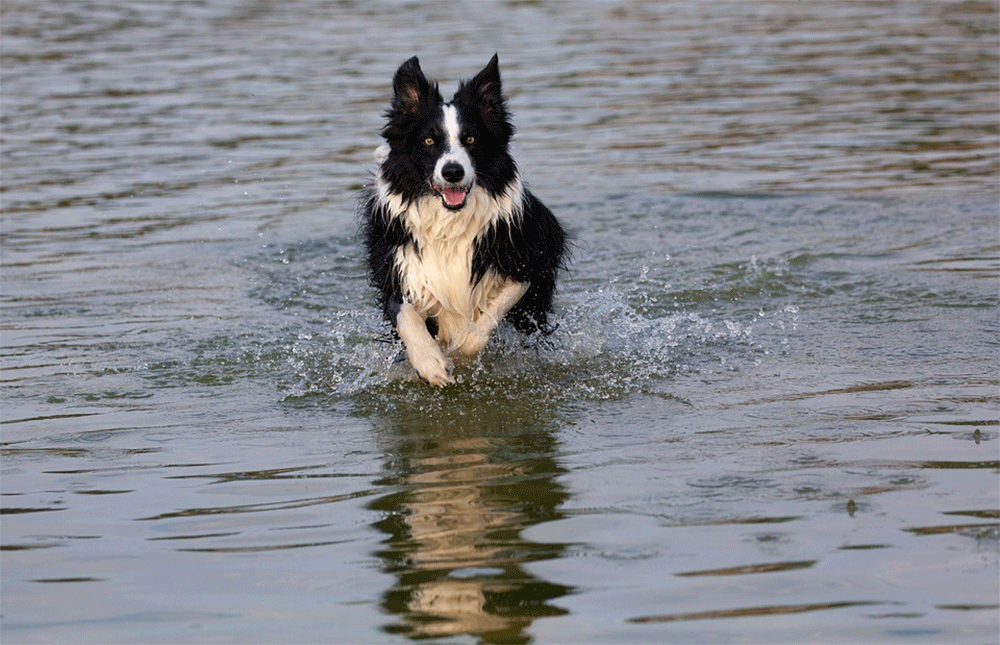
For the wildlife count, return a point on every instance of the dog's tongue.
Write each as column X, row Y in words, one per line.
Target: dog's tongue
column 453, row 196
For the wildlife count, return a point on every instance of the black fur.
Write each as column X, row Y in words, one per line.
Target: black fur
column 529, row 248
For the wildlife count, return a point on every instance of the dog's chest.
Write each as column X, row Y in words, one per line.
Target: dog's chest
column 436, row 269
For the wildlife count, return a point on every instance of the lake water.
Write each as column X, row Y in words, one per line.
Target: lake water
column 769, row 413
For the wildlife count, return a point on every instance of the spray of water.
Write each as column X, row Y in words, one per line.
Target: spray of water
column 608, row 344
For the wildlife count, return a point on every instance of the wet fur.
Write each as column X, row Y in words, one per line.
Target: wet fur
column 455, row 241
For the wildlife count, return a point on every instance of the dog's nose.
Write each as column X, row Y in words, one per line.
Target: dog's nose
column 453, row 172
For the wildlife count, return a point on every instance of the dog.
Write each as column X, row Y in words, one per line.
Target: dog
column 455, row 241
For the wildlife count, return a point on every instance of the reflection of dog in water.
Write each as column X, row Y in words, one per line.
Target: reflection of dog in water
column 464, row 494
column 455, row 241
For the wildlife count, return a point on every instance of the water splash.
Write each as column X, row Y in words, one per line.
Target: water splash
column 604, row 347
column 310, row 333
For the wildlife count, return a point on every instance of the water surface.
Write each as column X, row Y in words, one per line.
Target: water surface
column 769, row 413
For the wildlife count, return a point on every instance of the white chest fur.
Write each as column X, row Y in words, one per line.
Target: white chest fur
column 436, row 272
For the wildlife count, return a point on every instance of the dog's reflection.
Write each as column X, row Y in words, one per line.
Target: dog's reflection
column 464, row 493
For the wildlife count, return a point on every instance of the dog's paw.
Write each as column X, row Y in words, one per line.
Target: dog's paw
column 474, row 342
column 431, row 365
column 478, row 335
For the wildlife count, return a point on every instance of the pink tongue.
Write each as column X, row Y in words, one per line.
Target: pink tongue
column 453, row 196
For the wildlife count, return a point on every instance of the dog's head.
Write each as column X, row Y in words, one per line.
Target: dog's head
column 446, row 148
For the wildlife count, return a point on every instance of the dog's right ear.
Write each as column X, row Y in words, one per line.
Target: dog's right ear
column 411, row 88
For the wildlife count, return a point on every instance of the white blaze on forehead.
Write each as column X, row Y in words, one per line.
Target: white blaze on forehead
column 452, row 128
column 454, row 151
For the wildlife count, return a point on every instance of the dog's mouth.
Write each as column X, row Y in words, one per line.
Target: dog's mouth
column 453, row 197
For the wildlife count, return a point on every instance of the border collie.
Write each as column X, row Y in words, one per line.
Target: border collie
column 455, row 241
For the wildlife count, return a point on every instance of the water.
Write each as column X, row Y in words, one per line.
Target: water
column 769, row 413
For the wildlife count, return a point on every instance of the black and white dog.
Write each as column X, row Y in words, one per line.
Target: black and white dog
column 454, row 239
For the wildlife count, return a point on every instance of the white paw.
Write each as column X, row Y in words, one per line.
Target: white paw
column 431, row 364
column 474, row 342
column 478, row 334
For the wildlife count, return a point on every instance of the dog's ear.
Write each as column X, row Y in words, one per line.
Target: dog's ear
column 411, row 89
column 485, row 90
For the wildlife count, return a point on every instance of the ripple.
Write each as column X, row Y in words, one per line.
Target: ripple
column 746, row 612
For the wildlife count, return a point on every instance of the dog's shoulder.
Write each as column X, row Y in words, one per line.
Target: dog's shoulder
column 522, row 247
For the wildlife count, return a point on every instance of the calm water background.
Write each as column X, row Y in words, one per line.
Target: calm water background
column 769, row 414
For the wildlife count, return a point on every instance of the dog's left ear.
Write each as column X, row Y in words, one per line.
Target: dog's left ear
column 486, row 90
column 487, row 86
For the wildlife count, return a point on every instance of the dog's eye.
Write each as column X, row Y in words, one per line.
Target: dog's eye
column 470, row 140
column 429, row 141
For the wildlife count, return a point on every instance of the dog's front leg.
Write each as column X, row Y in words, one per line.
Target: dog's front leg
column 487, row 320
column 423, row 351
